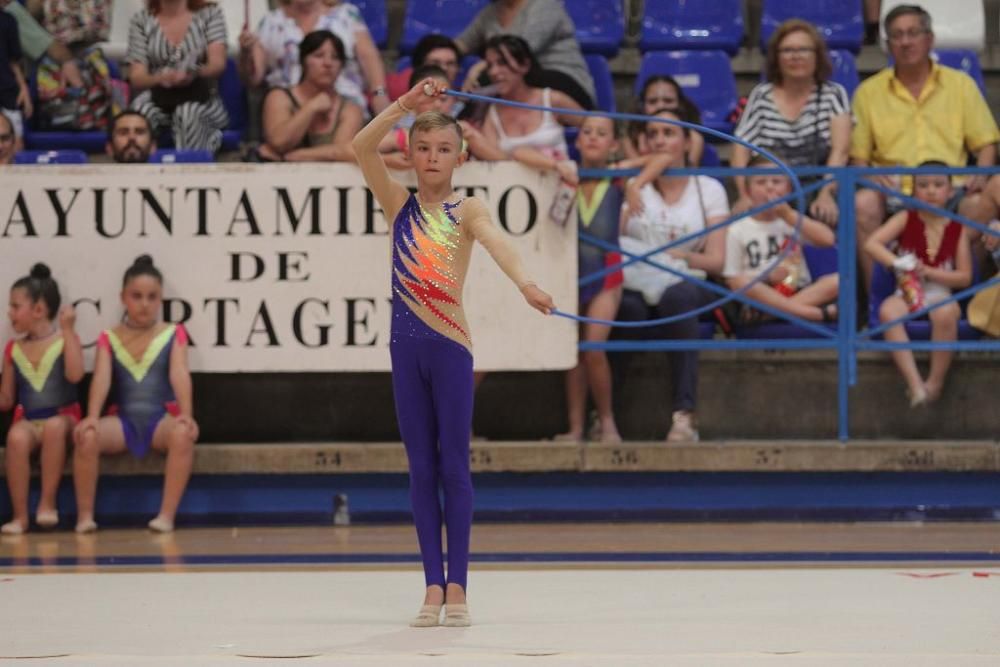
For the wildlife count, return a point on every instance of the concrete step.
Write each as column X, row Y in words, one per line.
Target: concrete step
column 551, row 457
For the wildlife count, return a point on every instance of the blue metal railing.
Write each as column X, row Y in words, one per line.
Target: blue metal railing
column 846, row 340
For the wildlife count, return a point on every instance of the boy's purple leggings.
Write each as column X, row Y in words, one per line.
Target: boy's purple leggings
column 432, row 385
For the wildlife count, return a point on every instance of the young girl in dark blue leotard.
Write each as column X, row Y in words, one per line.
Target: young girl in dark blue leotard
column 145, row 362
column 40, row 372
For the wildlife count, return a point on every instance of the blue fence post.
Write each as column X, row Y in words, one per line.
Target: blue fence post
column 846, row 300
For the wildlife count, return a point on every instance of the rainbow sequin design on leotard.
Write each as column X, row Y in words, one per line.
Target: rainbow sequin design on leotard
column 423, row 254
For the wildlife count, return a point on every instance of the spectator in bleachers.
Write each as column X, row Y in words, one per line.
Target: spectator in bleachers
column 916, row 111
column 434, row 49
column 311, row 121
column 130, row 138
column 549, row 32
column 674, row 206
column 599, row 202
column 271, row 56
column 944, row 263
column 535, row 138
column 78, row 94
column 8, row 141
column 663, row 92
column 37, row 42
column 15, row 100
column 754, row 243
column 798, row 114
column 176, row 54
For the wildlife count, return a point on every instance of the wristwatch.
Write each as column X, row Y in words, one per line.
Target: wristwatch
column 379, row 92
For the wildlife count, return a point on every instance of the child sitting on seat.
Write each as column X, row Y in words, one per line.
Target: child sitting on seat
column 754, row 244
column 943, row 263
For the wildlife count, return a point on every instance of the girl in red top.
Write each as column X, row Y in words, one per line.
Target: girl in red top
column 944, row 263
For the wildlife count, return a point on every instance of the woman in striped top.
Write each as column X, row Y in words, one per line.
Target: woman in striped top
column 176, row 54
column 798, row 114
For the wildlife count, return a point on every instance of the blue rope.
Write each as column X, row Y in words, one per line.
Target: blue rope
column 797, row 193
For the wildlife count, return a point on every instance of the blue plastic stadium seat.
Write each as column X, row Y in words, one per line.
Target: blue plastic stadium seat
column 670, row 25
column 449, row 17
column 65, row 156
column 181, row 156
column 234, row 98
column 845, row 70
column 821, row 261
column 705, row 76
column 964, row 60
column 600, row 25
column 838, row 21
column 883, row 285
column 376, row 18
column 603, row 85
column 710, row 157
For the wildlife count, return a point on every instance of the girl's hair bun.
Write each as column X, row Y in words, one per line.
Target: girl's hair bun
column 40, row 271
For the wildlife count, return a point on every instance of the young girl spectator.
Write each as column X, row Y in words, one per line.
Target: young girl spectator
column 146, row 362
column 754, row 243
column 311, row 121
column 40, row 372
column 431, row 237
column 944, row 263
column 672, row 207
column 176, row 54
column 798, row 114
column 533, row 137
column 663, row 92
column 599, row 203
column 271, row 55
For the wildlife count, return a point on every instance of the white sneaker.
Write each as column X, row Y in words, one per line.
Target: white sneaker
column 682, row 429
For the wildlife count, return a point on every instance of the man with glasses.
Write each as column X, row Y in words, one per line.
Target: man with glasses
column 915, row 111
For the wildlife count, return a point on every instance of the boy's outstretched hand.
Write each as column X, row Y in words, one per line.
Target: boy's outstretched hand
column 538, row 299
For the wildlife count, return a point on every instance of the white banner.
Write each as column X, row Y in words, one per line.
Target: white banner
column 277, row 267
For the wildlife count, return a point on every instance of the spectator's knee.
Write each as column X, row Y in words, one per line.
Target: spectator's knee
column 869, row 209
column 946, row 315
column 891, row 309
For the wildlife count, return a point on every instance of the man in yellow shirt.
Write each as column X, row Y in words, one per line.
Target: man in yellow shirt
column 914, row 112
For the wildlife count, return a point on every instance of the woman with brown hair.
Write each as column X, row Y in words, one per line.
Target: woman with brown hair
column 798, row 113
column 176, row 54
column 310, row 121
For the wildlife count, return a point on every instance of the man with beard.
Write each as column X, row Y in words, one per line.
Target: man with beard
column 130, row 139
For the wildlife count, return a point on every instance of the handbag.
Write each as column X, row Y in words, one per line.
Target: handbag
column 168, row 99
column 984, row 310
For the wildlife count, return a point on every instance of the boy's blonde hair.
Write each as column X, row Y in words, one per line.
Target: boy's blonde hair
column 435, row 120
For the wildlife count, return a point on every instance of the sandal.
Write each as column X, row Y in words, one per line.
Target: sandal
column 47, row 518
column 427, row 617
column 456, row 616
